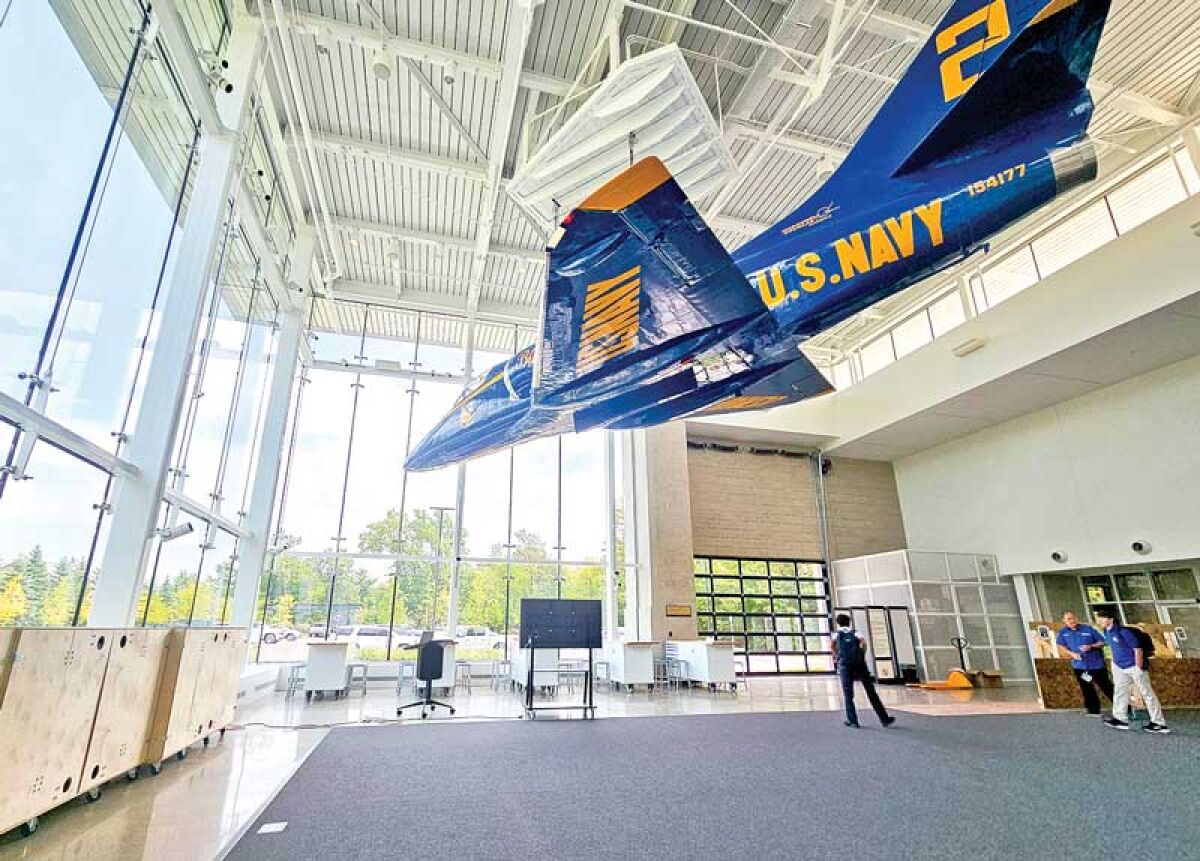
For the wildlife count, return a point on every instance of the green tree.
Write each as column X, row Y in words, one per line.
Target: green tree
column 36, row 583
column 284, row 611
column 12, row 601
column 423, row 587
column 59, row 605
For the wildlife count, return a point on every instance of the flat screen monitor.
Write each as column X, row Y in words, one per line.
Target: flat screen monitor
column 560, row 623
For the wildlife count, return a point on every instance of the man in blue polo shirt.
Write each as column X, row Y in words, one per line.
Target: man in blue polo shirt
column 1129, row 669
column 1084, row 645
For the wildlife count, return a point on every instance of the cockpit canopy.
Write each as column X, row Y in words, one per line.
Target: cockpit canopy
column 510, row 379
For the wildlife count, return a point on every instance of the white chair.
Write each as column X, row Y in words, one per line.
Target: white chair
column 296, row 676
column 356, row 673
column 501, row 674
column 406, row 671
column 462, row 674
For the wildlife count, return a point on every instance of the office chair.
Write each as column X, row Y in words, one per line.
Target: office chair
column 429, row 668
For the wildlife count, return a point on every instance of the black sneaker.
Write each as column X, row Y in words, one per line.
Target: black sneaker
column 887, row 721
column 851, row 724
column 1116, row 724
column 1156, row 728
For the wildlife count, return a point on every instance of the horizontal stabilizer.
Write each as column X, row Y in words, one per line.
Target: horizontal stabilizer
column 799, row 380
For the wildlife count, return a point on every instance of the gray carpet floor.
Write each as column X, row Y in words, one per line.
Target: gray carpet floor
column 754, row 786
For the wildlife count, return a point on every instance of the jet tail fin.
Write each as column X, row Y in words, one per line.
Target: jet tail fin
column 993, row 72
column 637, row 283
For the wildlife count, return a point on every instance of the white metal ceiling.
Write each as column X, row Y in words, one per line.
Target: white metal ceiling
column 403, row 101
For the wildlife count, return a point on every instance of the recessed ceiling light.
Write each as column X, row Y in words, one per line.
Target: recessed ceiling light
column 381, row 65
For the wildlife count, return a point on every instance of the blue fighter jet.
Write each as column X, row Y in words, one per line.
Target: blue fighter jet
column 647, row 318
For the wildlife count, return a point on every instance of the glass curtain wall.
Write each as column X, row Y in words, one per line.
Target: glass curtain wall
column 192, row 576
column 97, row 148
column 366, row 551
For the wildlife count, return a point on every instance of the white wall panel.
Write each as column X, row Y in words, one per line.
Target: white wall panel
column 1085, row 477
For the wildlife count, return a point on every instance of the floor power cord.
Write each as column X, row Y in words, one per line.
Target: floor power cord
column 370, row 721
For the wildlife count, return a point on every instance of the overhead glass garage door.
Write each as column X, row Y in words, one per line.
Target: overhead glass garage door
column 775, row 611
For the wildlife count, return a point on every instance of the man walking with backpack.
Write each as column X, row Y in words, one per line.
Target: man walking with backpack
column 1129, row 655
column 850, row 657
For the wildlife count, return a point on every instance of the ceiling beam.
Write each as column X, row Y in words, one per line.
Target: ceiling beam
column 741, row 225
column 418, row 300
column 323, row 27
column 418, row 75
column 736, row 127
column 1131, row 102
column 516, row 36
column 891, row 26
column 350, row 147
column 1190, row 103
column 353, row 226
column 173, row 32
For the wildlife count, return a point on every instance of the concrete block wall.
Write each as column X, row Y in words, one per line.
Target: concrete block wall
column 748, row 505
column 667, row 529
column 759, row 505
column 864, row 508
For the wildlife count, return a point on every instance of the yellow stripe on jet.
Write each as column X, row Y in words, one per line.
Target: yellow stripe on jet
column 611, row 309
column 1051, row 8
column 743, row 402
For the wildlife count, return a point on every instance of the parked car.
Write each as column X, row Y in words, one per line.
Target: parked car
column 373, row 636
column 472, row 637
column 276, row 633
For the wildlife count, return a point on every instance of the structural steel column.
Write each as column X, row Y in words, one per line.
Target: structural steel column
column 610, row 536
column 136, row 500
column 252, row 553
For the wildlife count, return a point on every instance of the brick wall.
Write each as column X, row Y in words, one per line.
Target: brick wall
column 765, row 505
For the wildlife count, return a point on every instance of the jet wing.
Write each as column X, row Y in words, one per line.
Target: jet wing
column 637, row 285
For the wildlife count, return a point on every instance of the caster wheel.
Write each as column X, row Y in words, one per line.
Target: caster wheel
column 451, row 711
column 182, row 755
column 29, row 826
column 205, row 741
column 222, row 734
column 156, row 768
column 132, row 775
column 92, row 795
column 424, row 715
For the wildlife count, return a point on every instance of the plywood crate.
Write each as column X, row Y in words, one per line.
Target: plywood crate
column 49, row 702
column 197, row 689
column 182, row 662
column 222, row 699
column 125, row 715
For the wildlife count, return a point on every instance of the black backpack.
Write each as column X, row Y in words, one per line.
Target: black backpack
column 850, row 651
column 1145, row 642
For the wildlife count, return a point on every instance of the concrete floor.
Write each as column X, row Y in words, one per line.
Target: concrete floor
column 198, row 806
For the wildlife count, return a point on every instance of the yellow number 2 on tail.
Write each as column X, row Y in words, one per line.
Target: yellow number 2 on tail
column 994, row 17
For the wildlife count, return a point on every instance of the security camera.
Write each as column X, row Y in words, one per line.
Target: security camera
column 285, row 543
column 170, row 533
column 215, row 72
column 1058, row 556
column 1142, row 547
